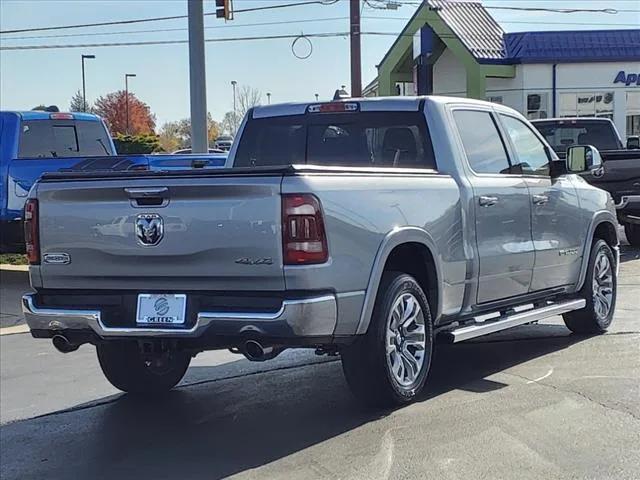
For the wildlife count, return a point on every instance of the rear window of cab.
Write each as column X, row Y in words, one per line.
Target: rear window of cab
column 354, row 139
column 63, row 138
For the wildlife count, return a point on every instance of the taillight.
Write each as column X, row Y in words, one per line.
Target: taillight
column 31, row 231
column 304, row 240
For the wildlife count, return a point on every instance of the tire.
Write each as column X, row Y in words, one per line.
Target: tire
column 126, row 369
column 369, row 364
column 632, row 232
column 599, row 290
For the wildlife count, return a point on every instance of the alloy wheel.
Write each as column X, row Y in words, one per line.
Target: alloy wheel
column 405, row 340
column 602, row 285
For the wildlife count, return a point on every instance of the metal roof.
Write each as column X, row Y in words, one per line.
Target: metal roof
column 473, row 25
column 573, row 46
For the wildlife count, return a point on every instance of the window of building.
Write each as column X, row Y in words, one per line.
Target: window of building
column 586, row 104
column 481, row 141
column 633, row 113
column 537, row 106
column 532, row 156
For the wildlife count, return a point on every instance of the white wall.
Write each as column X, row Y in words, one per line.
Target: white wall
column 449, row 76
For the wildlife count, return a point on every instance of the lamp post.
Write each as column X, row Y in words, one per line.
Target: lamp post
column 126, row 97
column 268, row 98
column 235, row 115
column 317, row 97
column 84, row 88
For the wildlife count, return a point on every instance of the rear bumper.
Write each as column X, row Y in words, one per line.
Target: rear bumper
column 299, row 318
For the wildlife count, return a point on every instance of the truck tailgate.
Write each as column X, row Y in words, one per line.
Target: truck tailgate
column 218, row 233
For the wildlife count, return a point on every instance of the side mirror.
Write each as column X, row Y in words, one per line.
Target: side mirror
column 584, row 158
column 633, row 143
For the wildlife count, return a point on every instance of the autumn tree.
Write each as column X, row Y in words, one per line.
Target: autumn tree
column 176, row 135
column 77, row 103
column 112, row 108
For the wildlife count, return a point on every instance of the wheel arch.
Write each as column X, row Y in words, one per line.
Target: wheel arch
column 399, row 246
column 604, row 225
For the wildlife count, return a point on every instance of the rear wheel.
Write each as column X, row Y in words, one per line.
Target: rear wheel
column 632, row 232
column 599, row 291
column 389, row 365
column 129, row 370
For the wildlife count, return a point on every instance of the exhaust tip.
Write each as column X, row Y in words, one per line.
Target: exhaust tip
column 256, row 352
column 253, row 350
column 62, row 344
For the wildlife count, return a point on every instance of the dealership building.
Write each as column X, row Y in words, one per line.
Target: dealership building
column 456, row 48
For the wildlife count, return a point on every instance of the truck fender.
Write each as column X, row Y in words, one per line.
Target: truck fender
column 396, row 237
column 599, row 218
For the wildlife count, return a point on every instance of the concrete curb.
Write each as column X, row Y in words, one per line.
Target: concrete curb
column 14, row 330
column 14, row 268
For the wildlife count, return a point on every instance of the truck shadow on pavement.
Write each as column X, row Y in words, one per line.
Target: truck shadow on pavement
column 214, row 429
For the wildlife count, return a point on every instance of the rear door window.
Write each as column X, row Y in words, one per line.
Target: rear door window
column 482, row 142
column 55, row 138
column 362, row 139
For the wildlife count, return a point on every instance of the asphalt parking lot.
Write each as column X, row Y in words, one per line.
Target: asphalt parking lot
column 533, row 402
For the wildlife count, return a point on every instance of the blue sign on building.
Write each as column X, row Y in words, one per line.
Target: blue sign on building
column 627, row 78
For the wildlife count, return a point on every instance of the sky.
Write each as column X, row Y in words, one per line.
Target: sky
column 51, row 76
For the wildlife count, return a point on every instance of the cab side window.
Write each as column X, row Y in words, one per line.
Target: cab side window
column 482, row 142
column 532, row 156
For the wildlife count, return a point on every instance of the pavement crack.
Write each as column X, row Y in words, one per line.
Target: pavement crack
column 575, row 392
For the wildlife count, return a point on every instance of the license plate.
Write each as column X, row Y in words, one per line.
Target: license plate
column 161, row 309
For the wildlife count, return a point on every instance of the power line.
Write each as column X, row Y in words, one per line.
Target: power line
column 161, row 19
column 524, row 22
column 230, row 39
column 176, row 42
column 290, row 22
column 181, row 29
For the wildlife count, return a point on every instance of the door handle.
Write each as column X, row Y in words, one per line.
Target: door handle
column 540, row 199
column 485, row 201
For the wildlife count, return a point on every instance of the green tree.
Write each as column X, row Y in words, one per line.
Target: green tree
column 77, row 103
column 129, row 144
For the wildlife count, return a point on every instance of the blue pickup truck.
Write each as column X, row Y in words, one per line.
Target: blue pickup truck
column 35, row 142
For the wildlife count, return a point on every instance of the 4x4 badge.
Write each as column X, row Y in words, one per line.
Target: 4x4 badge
column 149, row 229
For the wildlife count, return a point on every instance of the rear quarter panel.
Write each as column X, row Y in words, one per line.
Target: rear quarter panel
column 365, row 212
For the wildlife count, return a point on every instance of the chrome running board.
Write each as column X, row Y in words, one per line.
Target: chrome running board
column 512, row 320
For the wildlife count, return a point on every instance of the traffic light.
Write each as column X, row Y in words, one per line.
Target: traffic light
column 224, row 9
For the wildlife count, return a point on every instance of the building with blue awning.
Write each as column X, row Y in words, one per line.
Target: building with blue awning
column 457, row 48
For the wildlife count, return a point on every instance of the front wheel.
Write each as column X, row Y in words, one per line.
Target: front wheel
column 389, row 365
column 599, row 290
column 129, row 370
column 632, row 232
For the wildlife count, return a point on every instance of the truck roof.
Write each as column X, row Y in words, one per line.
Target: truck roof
column 42, row 115
column 366, row 104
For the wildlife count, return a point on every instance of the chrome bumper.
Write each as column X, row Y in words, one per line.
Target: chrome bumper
column 308, row 317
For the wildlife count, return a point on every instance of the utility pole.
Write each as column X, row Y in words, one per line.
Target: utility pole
column 84, row 87
column 126, row 97
column 235, row 115
column 356, row 62
column 197, row 78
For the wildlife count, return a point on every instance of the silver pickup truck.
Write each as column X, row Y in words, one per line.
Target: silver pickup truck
column 368, row 228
